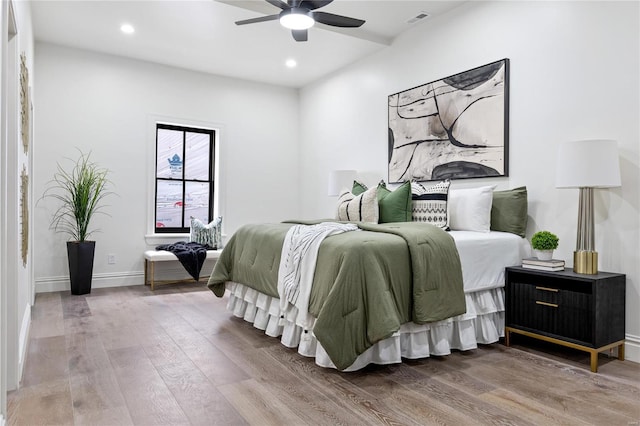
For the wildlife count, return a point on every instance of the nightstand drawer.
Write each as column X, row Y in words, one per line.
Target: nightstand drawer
column 553, row 284
column 550, row 310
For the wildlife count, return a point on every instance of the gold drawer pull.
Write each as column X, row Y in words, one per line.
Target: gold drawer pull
column 553, row 305
column 555, row 290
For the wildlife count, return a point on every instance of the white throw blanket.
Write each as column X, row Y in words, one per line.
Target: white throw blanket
column 298, row 264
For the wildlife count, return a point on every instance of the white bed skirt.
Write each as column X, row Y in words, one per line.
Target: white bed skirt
column 483, row 323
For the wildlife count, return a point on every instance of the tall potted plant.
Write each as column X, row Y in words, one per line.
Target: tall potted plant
column 80, row 191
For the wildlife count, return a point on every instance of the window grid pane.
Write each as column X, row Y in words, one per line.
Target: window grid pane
column 169, row 204
column 169, row 157
column 197, row 156
column 197, row 201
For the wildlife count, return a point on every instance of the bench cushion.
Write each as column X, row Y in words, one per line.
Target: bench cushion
column 163, row 255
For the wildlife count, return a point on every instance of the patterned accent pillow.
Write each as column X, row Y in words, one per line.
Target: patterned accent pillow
column 430, row 204
column 358, row 208
column 210, row 234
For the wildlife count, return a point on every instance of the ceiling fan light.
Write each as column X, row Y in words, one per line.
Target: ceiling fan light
column 296, row 19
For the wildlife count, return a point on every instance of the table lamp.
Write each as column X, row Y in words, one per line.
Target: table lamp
column 587, row 165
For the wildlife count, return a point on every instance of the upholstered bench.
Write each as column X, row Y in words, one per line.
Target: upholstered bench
column 153, row 256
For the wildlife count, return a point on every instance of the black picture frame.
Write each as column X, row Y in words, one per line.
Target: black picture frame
column 456, row 127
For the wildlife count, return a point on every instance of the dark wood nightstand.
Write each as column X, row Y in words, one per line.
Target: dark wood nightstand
column 585, row 312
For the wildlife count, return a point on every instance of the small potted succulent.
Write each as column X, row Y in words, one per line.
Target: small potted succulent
column 544, row 243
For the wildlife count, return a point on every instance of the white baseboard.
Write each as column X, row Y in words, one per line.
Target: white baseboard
column 632, row 348
column 118, row 279
column 23, row 341
column 163, row 270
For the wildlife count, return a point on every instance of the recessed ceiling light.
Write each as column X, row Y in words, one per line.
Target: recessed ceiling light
column 127, row 28
column 291, row 63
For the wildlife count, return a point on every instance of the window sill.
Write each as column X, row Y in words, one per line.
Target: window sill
column 155, row 239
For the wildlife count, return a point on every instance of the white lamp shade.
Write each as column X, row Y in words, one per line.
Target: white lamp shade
column 588, row 164
column 339, row 179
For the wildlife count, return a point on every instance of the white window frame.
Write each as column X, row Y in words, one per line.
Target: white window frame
column 151, row 237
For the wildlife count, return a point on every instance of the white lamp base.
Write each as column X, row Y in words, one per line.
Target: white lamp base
column 585, row 262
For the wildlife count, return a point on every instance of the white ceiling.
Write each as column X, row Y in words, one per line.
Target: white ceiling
column 201, row 35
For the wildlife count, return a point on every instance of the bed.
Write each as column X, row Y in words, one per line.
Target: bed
column 482, row 259
column 423, row 275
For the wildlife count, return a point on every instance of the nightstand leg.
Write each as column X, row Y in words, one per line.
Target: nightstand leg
column 621, row 352
column 594, row 361
column 507, row 336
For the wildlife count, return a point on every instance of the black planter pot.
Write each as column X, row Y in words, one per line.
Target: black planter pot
column 80, row 254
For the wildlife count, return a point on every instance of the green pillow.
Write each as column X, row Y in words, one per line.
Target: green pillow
column 358, row 188
column 395, row 206
column 509, row 211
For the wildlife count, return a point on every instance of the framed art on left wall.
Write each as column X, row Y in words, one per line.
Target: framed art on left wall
column 453, row 128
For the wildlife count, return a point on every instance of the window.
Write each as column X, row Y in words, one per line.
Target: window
column 184, row 177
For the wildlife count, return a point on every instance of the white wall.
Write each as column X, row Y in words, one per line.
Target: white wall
column 15, row 276
column 104, row 104
column 25, row 286
column 574, row 75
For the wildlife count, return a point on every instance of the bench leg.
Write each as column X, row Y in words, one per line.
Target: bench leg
column 146, row 266
column 152, row 274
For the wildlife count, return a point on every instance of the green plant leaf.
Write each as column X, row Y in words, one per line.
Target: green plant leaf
column 79, row 191
column 544, row 240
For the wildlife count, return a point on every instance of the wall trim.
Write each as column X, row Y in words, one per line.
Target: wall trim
column 632, row 348
column 169, row 270
column 118, row 279
column 23, row 340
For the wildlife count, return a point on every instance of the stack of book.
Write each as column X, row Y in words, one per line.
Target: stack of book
column 543, row 265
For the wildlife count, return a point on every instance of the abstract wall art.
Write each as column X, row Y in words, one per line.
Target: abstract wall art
column 453, row 128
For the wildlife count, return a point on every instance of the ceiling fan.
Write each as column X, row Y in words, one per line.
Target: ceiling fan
column 300, row 15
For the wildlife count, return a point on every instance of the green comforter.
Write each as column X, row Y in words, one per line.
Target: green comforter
column 366, row 283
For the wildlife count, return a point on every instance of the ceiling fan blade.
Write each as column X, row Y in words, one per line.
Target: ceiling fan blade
column 260, row 19
column 337, row 20
column 279, row 4
column 300, row 35
column 314, row 4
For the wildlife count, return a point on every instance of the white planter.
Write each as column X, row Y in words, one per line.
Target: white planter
column 544, row 254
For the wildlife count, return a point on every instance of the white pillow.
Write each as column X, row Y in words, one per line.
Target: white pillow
column 358, row 208
column 470, row 209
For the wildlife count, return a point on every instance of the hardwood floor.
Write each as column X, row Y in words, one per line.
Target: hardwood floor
column 175, row 356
